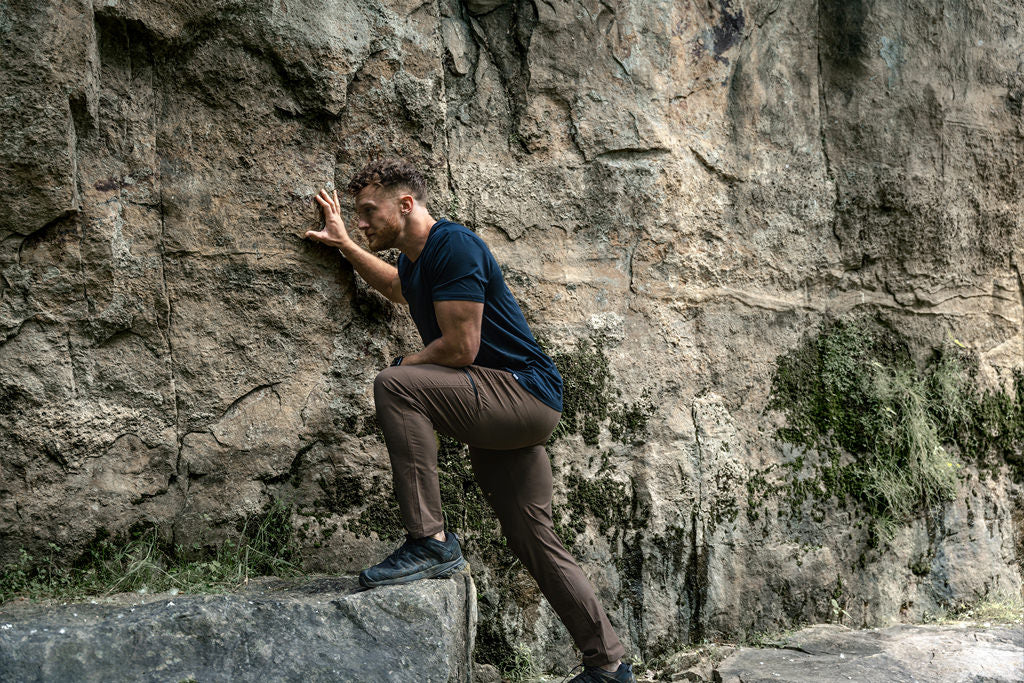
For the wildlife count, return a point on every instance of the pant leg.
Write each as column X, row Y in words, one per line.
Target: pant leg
column 514, row 472
column 505, row 427
column 477, row 406
column 518, row 485
column 410, row 401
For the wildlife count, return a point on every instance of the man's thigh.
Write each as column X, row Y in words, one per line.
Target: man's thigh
column 511, row 417
column 444, row 396
column 479, row 406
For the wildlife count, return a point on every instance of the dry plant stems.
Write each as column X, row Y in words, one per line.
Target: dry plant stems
column 142, row 562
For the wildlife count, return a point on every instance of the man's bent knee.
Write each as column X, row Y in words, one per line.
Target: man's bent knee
column 389, row 380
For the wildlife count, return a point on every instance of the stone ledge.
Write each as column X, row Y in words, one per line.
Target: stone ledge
column 320, row 628
column 919, row 654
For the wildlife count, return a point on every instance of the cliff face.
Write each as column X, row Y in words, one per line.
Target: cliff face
column 679, row 193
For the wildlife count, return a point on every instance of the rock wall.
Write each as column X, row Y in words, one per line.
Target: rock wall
column 681, row 190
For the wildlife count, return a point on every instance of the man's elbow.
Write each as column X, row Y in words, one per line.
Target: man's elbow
column 467, row 353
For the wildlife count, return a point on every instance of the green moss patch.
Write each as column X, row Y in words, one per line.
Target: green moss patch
column 590, row 401
column 380, row 514
column 893, row 434
column 605, row 500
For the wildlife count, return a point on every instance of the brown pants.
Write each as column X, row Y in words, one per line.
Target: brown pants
column 505, row 428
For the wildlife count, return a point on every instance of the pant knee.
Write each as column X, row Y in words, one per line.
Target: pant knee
column 387, row 382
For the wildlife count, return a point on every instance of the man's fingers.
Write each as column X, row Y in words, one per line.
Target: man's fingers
column 326, row 204
column 327, row 200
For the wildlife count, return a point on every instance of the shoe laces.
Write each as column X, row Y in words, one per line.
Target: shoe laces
column 399, row 551
column 411, row 549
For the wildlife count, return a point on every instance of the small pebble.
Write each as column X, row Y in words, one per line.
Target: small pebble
column 842, row 656
column 62, row 631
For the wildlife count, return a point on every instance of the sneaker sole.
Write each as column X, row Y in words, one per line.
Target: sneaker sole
column 438, row 571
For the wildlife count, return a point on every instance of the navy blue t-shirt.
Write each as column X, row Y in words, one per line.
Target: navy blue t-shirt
column 456, row 265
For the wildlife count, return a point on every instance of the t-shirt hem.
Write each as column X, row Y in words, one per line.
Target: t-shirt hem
column 540, row 398
column 443, row 297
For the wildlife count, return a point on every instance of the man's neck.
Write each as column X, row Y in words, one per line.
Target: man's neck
column 414, row 236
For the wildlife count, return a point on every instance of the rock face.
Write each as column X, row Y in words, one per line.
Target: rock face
column 320, row 629
column 678, row 192
column 921, row 654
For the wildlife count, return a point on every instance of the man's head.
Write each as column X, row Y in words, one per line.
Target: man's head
column 387, row 192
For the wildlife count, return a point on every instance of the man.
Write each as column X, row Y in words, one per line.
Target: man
column 481, row 378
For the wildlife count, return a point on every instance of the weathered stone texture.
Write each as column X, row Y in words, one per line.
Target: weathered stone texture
column 696, row 183
column 318, row 629
column 900, row 653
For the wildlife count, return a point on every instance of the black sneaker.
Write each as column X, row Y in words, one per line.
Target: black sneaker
column 595, row 674
column 421, row 558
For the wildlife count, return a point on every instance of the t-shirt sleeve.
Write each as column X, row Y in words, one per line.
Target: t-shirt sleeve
column 458, row 272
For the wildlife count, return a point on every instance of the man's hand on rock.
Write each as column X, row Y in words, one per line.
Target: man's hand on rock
column 333, row 233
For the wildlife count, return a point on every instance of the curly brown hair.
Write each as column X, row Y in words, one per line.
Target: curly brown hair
column 391, row 172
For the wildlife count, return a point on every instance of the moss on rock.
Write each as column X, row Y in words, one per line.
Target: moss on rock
column 853, row 389
column 590, row 401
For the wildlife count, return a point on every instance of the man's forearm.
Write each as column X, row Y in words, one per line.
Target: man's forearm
column 441, row 351
column 378, row 273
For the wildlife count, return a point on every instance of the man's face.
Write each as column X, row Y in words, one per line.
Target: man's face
column 378, row 213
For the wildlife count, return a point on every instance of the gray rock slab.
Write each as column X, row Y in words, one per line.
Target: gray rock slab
column 959, row 653
column 314, row 629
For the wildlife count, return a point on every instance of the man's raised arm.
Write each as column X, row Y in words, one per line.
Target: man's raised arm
column 378, row 273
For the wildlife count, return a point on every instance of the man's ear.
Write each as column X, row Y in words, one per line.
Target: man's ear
column 406, row 203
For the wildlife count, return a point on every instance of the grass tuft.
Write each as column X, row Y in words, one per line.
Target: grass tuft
column 142, row 562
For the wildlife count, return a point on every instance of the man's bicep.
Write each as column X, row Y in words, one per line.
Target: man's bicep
column 460, row 321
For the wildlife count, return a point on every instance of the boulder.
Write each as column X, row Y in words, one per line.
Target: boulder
column 922, row 654
column 323, row 628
